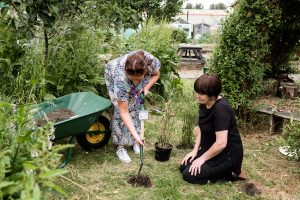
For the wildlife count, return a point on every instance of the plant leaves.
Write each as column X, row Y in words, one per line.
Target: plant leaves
column 52, row 173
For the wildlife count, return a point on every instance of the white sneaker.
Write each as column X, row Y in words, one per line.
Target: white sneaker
column 136, row 148
column 123, row 156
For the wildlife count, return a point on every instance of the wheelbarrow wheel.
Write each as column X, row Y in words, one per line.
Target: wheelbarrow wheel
column 93, row 139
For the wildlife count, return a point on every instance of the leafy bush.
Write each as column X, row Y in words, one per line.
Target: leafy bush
column 27, row 167
column 291, row 134
column 73, row 64
column 240, row 57
column 179, row 36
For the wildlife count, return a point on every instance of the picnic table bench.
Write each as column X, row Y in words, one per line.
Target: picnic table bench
column 277, row 117
column 191, row 53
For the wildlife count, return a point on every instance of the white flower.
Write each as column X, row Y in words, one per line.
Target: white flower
column 34, row 154
column 12, row 126
column 14, row 108
column 52, row 129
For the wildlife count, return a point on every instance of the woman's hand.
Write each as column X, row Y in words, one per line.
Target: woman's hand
column 144, row 90
column 138, row 140
column 195, row 168
column 190, row 156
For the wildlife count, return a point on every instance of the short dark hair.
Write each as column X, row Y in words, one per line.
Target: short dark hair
column 208, row 84
column 136, row 64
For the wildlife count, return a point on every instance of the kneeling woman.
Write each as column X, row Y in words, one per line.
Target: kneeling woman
column 218, row 150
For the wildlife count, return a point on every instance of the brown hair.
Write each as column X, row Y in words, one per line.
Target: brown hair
column 136, row 64
column 208, row 84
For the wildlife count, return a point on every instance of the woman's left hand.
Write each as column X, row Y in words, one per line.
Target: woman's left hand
column 145, row 90
column 196, row 166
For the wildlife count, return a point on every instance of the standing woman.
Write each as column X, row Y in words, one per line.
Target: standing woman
column 218, row 150
column 126, row 77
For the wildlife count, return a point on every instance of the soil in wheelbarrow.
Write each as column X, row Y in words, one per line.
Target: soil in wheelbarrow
column 56, row 116
column 140, row 181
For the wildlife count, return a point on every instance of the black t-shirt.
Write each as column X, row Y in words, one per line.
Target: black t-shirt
column 221, row 117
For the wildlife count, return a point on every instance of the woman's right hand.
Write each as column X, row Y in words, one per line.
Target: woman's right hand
column 139, row 141
column 189, row 157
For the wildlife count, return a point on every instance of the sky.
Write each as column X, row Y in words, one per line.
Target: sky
column 206, row 3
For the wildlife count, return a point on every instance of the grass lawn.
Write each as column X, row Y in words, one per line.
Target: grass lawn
column 100, row 175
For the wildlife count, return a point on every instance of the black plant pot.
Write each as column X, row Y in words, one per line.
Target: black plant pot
column 162, row 154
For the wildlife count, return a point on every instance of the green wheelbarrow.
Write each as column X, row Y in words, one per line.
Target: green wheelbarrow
column 91, row 129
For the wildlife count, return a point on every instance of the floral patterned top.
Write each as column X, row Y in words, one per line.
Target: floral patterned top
column 119, row 89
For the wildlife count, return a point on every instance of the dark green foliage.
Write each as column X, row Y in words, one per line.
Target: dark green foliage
column 240, row 58
column 284, row 40
column 73, row 64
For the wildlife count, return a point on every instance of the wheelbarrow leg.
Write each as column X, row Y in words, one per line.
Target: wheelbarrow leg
column 67, row 155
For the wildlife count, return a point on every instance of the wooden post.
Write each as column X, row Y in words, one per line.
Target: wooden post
column 276, row 124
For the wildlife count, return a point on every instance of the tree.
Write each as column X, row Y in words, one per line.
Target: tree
column 284, row 40
column 199, row 6
column 189, row 6
column 218, row 6
column 33, row 15
column 159, row 9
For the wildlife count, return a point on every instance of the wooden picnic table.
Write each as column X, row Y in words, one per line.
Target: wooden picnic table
column 192, row 52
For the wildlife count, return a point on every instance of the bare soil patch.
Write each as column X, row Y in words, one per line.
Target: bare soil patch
column 140, row 181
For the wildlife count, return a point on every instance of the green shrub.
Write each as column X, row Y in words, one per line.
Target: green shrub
column 291, row 135
column 179, row 36
column 27, row 167
column 73, row 64
column 240, row 57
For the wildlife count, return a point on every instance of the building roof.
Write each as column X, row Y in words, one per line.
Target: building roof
column 197, row 16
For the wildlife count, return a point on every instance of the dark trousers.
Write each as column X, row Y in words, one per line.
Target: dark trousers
column 210, row 171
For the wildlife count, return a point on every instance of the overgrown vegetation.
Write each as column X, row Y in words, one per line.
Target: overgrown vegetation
column 27, row 167
column 209, row 38
column 51, row 48
column 291, row 135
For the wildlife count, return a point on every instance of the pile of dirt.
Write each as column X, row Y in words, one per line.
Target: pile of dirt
column 250, row 189
column 140, row 181
column 56, row 116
